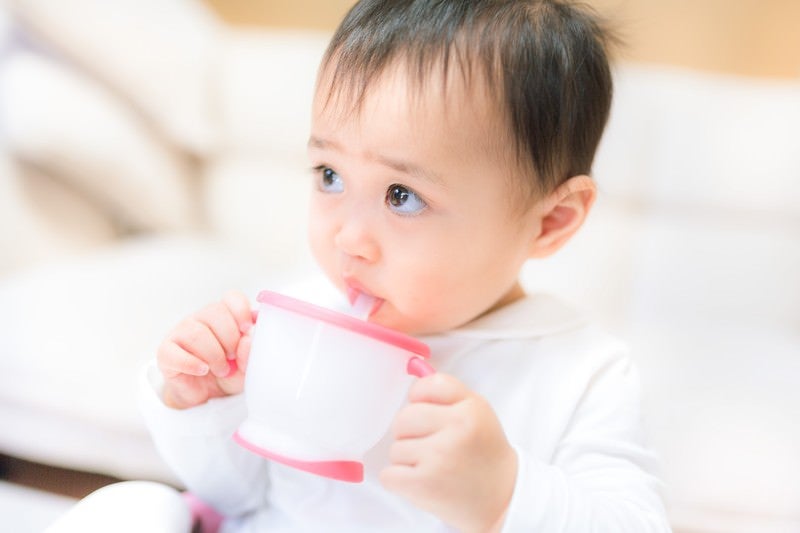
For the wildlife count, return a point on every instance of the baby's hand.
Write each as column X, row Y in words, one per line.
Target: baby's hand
column 451, row 457
column 205, row 355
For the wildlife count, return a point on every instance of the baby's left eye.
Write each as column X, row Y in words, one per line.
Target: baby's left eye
column 403, row 200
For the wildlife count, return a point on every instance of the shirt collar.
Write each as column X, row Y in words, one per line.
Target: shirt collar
column 532, row 316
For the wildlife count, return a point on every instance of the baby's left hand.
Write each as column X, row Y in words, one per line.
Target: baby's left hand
column 450, row 456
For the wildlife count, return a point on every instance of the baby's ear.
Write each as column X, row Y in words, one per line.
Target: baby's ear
column 561, row 214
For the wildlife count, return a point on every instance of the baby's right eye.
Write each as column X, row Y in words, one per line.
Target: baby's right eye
column 329, row 180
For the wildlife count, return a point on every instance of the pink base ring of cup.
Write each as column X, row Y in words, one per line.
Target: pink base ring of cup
column 350, row 471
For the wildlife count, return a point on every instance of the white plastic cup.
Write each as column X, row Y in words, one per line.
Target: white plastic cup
column 322, row 387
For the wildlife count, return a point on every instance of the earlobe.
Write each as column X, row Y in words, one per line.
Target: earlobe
column 561, row 214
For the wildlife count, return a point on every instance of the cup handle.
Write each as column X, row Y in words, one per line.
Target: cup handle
column 419, row 367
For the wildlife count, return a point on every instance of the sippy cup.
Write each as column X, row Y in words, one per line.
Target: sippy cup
column 322, row 387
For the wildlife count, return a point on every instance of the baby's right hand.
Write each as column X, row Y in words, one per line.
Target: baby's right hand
column 206, row 354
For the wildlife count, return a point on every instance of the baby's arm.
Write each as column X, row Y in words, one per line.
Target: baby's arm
column 205, row 355
column 203, row 359
column 602, row 478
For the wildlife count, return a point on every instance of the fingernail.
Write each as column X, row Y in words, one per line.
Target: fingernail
column 233, row 366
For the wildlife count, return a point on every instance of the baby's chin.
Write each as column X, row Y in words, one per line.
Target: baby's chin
column 409, row 325
column 388, row 317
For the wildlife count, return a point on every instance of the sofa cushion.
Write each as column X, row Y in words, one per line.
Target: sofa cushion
column 701, row 140
column 266, row 83
column 159, row 55
column 42, row 219
column 76, row 131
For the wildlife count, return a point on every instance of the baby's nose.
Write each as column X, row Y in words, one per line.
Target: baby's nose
column 357, row 238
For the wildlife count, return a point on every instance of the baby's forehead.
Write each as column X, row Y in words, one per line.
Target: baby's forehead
column 446, row 89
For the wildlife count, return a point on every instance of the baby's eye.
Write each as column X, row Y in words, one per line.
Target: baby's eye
column 403, row 200
column 329, row 180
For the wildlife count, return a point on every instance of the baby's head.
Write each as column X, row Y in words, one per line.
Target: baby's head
column 452, row 142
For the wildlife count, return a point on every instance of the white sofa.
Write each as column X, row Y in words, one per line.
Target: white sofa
column 153, row 158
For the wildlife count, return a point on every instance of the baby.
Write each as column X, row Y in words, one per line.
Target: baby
column 451, row 141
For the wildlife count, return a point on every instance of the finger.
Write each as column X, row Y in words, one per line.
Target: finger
column 233, row 383
column 418, row 420
column 197, row 338
column 174, row 361
column 219, row 319
column 406, row 452
column 243, row 351
column 239, row 306
column 438, row 388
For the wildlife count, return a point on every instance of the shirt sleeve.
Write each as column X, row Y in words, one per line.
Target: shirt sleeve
column 197, row 445
column 602, row 478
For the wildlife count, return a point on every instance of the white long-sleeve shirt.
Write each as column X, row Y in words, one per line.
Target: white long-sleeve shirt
column 568, row 400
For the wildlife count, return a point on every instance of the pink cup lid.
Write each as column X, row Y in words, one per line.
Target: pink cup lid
column 344, row 321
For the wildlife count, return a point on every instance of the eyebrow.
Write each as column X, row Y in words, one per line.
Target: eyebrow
column 401, row 166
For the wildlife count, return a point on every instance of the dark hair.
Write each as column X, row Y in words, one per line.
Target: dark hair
column 546, row 59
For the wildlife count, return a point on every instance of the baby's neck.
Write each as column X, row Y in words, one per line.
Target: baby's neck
column 516, row 292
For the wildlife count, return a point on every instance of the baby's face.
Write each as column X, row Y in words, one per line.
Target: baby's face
column 414, row 203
